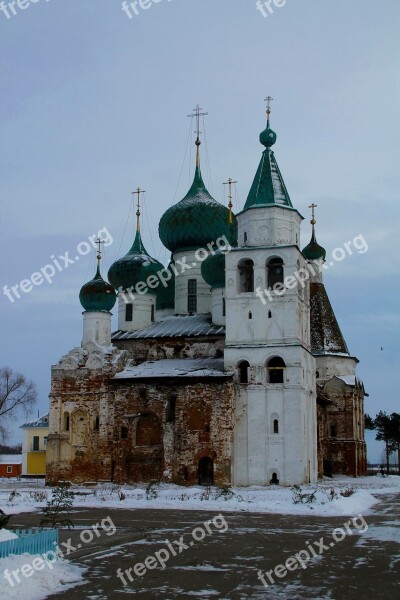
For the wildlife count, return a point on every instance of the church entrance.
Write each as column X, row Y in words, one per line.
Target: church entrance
column 206, row 471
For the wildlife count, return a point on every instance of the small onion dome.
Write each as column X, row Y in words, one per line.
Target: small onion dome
column 166, row 294
column 97, row 295
column 268, row 137
column 313, row 251
column 196, row 221
column 134, row 268
column 213, row 268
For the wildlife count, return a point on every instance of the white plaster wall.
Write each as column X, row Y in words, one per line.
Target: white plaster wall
column 290, row 313
column 217, row 310
column 269, row 226
column 141, row 312
column 181, row 283
column 97, row 328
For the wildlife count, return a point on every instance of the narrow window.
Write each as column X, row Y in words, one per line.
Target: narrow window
column 9, row 470
column 275, row 272
column 333, row 431
column 223, row 307
column 152, row 313
column 96, row 424
column 35, row 445
column 244, row 372
column 66, row 422
column 128, row 312
column 269, row 314
column 124, row 433
column 192, row 295
column 317, row 374
column 171, row 410
column 250, row 315
column 246, row 275
column 245, row 237
column 276, row 368
column 45, row 442
column 276, row 426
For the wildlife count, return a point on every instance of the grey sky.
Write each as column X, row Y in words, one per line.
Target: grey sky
column 94, row 104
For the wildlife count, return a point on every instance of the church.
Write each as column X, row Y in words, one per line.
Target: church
column 228, row 366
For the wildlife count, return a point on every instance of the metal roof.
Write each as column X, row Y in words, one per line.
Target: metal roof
column 175, row 326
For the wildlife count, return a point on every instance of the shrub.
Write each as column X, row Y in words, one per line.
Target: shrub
column 151, row 491
column 56, row 509
column 347, row 492
column 300, row 497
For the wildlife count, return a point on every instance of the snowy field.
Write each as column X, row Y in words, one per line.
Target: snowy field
column 22, row 496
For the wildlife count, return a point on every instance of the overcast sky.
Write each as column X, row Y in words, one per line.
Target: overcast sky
column 95, row 104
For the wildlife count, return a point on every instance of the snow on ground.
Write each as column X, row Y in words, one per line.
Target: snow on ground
column 29, row 496
column 6, row 535
column 51, row 578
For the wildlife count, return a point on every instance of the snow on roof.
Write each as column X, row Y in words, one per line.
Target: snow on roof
column 42, row 421
column 175, row 326
column 348, row 379
column 197, row 367
column 10, row 459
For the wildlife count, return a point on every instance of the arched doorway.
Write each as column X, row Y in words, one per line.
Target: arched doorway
column 206, row 471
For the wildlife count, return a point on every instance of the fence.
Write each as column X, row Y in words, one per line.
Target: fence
column 31, row 542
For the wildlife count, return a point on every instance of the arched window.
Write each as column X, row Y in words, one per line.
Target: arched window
column 96, row 426
column 269, row 314
column 245, row 237
column 246, row 275
column 244, row 371
column 276, row 367
column 276, row 426
column 275, row 272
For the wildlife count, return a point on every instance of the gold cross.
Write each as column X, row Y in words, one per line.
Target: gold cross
column 230, row 205
column 198, row 114
column 268, row 100
column 313, row 207
column 99, row 242
column 138, row 192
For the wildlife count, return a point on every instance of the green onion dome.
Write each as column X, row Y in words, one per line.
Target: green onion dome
column 134, row 268
column 213, row 268
column 166, row 294
column 313, row 251
column 196, row 221
column 268, row 137
column 97, row 295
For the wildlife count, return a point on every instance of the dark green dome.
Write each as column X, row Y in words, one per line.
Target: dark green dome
column 196, row 221
column 213, row 268
column 97, row 295
column 166, row 294
column 134, row 268
column 268, row 137
column 313, row 251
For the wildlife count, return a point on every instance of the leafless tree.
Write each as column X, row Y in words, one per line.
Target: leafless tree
column 17, row 397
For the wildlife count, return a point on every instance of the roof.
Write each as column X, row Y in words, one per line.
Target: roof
column 175, row 326
column 268, row 187
column 42, row 421
column 176, row 368
column 10, row 459
column 326, row 337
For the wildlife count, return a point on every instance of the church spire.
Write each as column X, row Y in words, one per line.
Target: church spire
column 268, row 186
column 138, row 244
column 313, row 251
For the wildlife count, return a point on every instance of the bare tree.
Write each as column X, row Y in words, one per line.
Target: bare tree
column 17, row 397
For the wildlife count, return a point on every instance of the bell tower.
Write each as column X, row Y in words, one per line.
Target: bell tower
column 268, row 335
